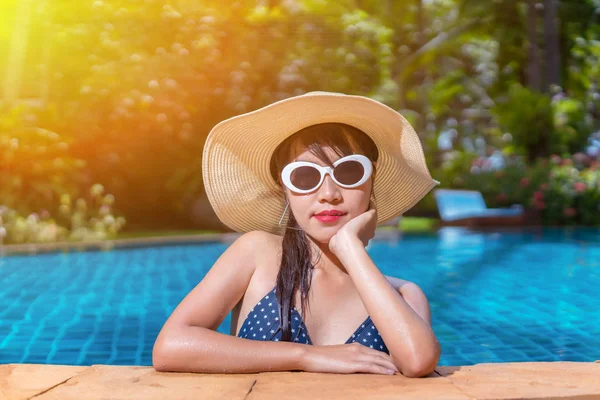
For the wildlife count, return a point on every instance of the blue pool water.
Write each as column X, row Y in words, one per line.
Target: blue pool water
column 495, row 297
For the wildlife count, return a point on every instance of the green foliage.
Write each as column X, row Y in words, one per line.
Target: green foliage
column 138, row 86
column 527, row 116
column 541, row 125
column 80, row 219
column 456, row 166
column 133, row 88
column 561, row 191
column 17, row 229
column 445, row 92
column 36, row 164
column 571, row 123
column 571, row 196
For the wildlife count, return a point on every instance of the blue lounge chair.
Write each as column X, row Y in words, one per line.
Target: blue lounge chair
column 467, row 207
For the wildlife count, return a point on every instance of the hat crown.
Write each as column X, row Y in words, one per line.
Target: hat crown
column 321, row 93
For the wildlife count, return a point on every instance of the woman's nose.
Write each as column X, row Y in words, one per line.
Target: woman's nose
column 329, row 191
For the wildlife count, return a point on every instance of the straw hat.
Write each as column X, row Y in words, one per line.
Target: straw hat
column 237, row 155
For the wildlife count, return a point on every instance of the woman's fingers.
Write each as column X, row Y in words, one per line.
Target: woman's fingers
column 377, row 360
column 349, row 358
column 386, row 357
column 373, row 369
column 377, row 357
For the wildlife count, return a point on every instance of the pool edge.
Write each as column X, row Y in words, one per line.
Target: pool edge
column 528, row 380
column 105, row 245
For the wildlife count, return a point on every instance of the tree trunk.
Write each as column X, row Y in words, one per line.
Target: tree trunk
column 420, row 23
column 551, row 43
column 534, row 70
column 419, row 78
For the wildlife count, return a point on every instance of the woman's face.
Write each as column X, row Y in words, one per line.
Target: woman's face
column 329, row 196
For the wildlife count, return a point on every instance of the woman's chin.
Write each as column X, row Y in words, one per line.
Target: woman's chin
column 321, row 235
column 323, row 239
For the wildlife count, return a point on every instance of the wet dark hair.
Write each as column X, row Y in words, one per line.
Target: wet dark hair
column 296, row 259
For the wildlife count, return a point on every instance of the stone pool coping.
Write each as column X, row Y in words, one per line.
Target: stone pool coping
column 527, row 380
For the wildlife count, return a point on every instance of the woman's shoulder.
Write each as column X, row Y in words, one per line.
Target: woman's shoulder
column 404, row 286
column 413, row 295
column 255, row 240
column 263, row 250
column 257, row 245
column 398, row 283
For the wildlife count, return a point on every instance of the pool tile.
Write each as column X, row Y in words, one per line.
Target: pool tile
column 485, row 290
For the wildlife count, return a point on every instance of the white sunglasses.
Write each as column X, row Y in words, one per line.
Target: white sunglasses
column 348, row 172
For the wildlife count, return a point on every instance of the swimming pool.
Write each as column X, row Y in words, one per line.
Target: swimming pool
column 495, row 296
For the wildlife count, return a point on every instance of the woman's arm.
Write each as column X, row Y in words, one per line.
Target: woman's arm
column 404, row 327
column 197, row 349
column 188, row 341
column 401, row 316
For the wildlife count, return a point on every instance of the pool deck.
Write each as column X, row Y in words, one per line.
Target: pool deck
column 535, row 380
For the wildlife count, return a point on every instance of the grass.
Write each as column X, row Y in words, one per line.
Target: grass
column 417, row 224
column 408, row 224
column 414, row 225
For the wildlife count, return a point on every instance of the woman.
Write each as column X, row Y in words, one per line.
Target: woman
column 307, row 178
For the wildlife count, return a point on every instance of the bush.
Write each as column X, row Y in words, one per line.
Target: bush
column 78, row 220
column 15, row 228
column 570, row 196
column 541, row 125
column 36, row 164
column 562, row 191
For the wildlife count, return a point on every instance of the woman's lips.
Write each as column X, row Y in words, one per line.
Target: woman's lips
column 329, row 215
column 328, row 218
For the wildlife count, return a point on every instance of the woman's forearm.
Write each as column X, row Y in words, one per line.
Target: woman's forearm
column 409, row 338
column 197, row 349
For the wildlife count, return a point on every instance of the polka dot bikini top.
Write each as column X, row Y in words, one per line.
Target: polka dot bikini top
column 264, row 323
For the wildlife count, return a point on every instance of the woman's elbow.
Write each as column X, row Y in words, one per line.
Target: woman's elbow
column 162, row 355
column 423, row 366
column 418, row 371
column 159, row 358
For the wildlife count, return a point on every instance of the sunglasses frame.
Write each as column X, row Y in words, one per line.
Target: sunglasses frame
column 286, row 173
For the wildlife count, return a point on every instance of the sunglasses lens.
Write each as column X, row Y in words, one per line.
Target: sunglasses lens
column 349, row 172
column 305, row 178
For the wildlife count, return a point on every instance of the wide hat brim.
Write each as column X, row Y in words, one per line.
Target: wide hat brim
column 237, row 155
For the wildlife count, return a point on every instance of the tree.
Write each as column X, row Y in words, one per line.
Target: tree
column 551, row 43
column 534, row 63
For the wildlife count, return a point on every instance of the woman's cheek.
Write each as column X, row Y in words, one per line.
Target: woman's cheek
column 301, row 210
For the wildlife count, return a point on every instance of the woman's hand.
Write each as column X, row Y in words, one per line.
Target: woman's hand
column 347, row 359
column 360, row 228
